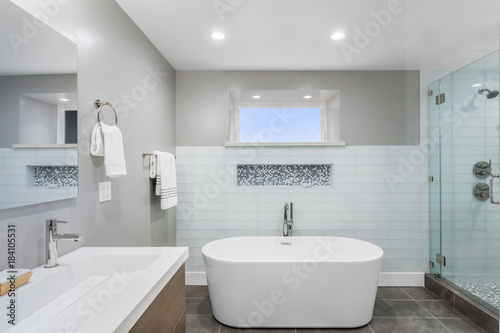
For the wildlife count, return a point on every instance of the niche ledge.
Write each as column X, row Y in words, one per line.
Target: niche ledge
column 48, row 145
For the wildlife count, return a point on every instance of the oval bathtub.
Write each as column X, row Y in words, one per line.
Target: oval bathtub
column 296, row 282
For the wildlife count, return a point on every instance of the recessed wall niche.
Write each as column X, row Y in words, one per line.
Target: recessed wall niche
column 305, row 175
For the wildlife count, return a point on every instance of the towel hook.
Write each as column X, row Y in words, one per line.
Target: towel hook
column 98, row 105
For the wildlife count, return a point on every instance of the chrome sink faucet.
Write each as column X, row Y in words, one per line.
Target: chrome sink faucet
column 288, row 219
column 51, row 236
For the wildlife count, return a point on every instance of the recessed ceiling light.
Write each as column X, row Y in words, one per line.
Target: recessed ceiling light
column 338, row 35
column 218, row 35
column 255, row 96
column 307, row 96
column 64, row 99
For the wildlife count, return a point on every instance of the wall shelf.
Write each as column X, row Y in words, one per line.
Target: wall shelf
column 48, row 145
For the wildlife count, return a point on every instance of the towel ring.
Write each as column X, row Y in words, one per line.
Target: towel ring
column 98, row 104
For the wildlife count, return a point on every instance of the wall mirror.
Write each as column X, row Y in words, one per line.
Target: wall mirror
column 38, row 113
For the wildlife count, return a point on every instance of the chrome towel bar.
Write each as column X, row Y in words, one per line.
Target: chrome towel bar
column 144, row 154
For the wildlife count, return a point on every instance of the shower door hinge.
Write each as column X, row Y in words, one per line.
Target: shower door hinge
column 440, row 99
column 430, row 93
column 441, row 259
column 431, row 264
column 431, row 179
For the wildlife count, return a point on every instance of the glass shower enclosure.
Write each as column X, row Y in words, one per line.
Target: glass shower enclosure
column 464, row 151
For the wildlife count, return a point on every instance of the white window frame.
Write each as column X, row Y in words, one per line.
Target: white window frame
column 235, row 115
column 61, row 128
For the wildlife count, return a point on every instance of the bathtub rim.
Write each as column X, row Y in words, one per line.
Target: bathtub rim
column 371, row 258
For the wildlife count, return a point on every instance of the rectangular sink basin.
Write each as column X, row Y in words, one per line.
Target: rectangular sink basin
column 93, row 289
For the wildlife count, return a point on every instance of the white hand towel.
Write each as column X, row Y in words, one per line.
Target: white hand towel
column 152, row 166
column 97, row 141
column 166, row 179
column 114, row 157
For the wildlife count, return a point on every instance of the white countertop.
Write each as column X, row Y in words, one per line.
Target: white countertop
column 112, row 288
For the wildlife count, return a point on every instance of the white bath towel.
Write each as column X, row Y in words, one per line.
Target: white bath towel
column 166, row 179
column 97, row 141
column 152, row 166
column 114, row 156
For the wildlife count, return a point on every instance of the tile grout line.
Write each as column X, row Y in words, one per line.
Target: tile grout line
column 426, row 310
column 369, row 326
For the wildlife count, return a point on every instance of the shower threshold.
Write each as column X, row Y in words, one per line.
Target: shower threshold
column 473, row 309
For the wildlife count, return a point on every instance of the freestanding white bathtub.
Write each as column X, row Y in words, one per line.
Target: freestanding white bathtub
column 300, row 282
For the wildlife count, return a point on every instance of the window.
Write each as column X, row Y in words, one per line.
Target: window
column 280, row 124
column 284, row 116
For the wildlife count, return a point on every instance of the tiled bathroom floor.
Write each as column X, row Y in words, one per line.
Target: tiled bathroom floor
column 397, row 310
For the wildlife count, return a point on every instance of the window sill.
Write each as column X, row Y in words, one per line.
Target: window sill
column 285, row 144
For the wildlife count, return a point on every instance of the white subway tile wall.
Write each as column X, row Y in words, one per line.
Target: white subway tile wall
column 378, row 194
column 16, row 175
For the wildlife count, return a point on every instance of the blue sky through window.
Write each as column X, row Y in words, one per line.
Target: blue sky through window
column 280, row 124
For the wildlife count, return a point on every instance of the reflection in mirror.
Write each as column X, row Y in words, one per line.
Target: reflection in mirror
column 38, row 112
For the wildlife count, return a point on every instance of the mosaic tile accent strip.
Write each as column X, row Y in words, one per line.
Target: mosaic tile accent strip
column 284, row 174
column 61, row 175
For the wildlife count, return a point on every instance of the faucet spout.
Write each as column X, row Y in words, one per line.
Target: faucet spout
column 51, row 238
column 288, row 219
column 73, row 237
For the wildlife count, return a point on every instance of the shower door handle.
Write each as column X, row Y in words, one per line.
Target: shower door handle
column 491, row 188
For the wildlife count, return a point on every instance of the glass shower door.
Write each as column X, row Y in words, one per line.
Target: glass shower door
column 469, row 138
column 434, row 170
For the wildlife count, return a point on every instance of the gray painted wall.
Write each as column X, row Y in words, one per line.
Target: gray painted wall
column 376, row 107
column 38, row 121
column 114, row 64
column 10, row 89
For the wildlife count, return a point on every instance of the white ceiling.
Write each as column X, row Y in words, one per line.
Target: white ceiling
column 55, row 98
column 28, row 47
column 282, row 96
column 295, row 34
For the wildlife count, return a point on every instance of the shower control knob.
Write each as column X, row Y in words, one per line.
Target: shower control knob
column 482, row 169
column 481, row 191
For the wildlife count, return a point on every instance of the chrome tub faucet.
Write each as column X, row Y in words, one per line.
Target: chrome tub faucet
column 51, row 238
column 288, row 219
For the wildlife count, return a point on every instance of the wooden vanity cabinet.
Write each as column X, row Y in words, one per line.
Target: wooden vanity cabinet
column 167, row 313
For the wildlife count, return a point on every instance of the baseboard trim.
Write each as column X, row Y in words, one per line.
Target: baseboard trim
column 386, row 279
column 196, row 279
column 401, row 279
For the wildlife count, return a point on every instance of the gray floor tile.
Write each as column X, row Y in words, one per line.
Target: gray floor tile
column 391, row 293
column 197, row 291
column 420, row 293
column 461, row 326
column 407, row 325
column 198, row 306
column 440, row 309
column 225, row 329
column 201, row 324
column 393, row 309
